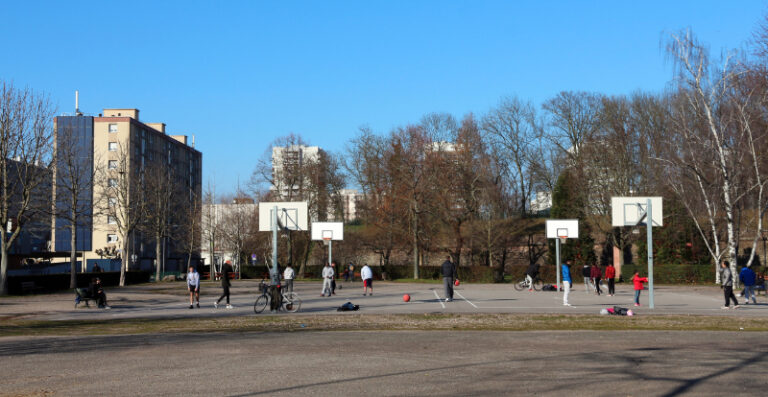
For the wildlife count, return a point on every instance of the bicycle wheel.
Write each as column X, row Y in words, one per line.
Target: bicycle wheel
column 537, row 285
column 291, row 302
column 260, row 304
column 519, row 286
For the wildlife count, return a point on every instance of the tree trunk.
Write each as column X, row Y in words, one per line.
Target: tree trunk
column 73, row 254
column 124, row 260
column 415, row 241
column 3, row 267
column 158, row 255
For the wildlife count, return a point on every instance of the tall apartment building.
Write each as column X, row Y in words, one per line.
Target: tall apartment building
column 288, row 163
column 114, row 136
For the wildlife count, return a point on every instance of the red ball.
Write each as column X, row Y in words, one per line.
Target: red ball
column 406, row 298
column 456, row 283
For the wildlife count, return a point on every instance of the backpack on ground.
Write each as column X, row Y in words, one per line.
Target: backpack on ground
column 348, row 307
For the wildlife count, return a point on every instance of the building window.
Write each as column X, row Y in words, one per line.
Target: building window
column 111, row 220
column 112, row 201
column 113, row 128
column 111, row 238
column 112, row 182
column 113, row 146
column 112, row 165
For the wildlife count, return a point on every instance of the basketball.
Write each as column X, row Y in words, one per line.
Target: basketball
column 406, row 298
column 456, row 283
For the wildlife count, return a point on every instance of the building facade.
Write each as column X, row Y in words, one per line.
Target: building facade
column 119, row 146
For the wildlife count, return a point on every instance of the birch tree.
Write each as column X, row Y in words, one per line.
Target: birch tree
column 26, row 127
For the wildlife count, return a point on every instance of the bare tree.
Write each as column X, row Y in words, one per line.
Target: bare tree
column 74, row 172
column 573, row 118
column 160, row 190
column 120, row 198
column 25, row 157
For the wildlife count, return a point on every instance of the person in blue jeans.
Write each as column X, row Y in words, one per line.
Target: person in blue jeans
column 748, row 278
column 566, row 270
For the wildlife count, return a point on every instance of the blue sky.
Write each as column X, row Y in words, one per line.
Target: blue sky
column 239, row 74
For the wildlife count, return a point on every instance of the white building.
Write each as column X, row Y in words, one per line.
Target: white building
column 224, row 227
column 286, row 159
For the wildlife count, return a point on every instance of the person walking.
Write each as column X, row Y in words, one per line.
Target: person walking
column 595, row 274
column 225, row 284
column 449, row 276
column 748, row 278
column 530, row 274
column 327, row 277
column 193, row 285
column 333, row 279
column 586, row 272
column 610, row 277
column 726, row 279
column 638, row 282
column 566, row 270
column 288, row 276
column 367, row 275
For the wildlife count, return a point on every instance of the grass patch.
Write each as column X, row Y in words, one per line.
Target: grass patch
column 356, row 322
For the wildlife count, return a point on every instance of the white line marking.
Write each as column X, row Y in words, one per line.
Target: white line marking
column 462, row 297
column 440, row 301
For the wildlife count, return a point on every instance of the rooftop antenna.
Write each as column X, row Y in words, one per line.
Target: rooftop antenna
column 77, row 103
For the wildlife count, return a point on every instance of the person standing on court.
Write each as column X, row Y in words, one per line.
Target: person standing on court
column 288, row 276
column 333, row 279
column 351, row 271
column 748, row 278
column 367, row 275
column 566, row 270
column 327, row 277
column 595, row 274
column 586, row 272
column 449, row 276
column 610, row 276
column 638, row 282
column 726, row 278
column 193, row 285
column 225, row 271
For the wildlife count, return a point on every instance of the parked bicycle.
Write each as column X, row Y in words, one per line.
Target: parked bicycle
column 525, row 284
column 289, row 301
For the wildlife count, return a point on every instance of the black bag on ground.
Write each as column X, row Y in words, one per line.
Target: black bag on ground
column 348, row 307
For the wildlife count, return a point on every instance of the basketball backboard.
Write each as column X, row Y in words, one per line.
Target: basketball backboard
column 557, row 228
column 290, row 215
column 326, row 230
column 630, row 211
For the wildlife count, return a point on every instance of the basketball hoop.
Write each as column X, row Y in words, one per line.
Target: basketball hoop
column 326, row 241
column 562, row 239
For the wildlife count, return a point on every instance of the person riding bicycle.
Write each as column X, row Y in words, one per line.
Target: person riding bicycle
column 531, row 274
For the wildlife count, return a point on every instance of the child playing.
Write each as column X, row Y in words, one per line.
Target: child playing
column 638, row 281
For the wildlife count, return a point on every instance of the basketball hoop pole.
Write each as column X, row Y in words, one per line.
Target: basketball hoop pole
column 649, row 220
column 273, row 276
column 557, row 265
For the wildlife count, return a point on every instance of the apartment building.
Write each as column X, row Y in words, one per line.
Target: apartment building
column 117, row 142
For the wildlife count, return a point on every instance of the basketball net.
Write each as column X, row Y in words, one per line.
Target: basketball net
column 562, row 239
column 326, row 241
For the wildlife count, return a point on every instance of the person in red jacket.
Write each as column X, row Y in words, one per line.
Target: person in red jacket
column 638, row 281
column 596, row 275
column 610, row 275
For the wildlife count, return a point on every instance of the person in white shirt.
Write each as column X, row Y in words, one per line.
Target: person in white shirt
column 288, row 276
column 193, row 285
column 327, row 277
column 367, row 275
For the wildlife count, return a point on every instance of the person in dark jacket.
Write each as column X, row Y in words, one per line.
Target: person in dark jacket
column 748, row 278
column 97, row 292
column 449, row 276
column 530, row 274
column 596, row 275
column 586, row 272
column 225, row 271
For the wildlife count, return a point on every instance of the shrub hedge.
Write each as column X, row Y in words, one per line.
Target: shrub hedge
column 56, row 282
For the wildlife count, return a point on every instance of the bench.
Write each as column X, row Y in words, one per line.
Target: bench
column 83, row 295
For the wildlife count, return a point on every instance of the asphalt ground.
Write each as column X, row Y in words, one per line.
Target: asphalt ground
column 171, row 300
column 388, row 363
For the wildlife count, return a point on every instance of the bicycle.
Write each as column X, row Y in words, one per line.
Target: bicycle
column 290, row 301
column 537, row 284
